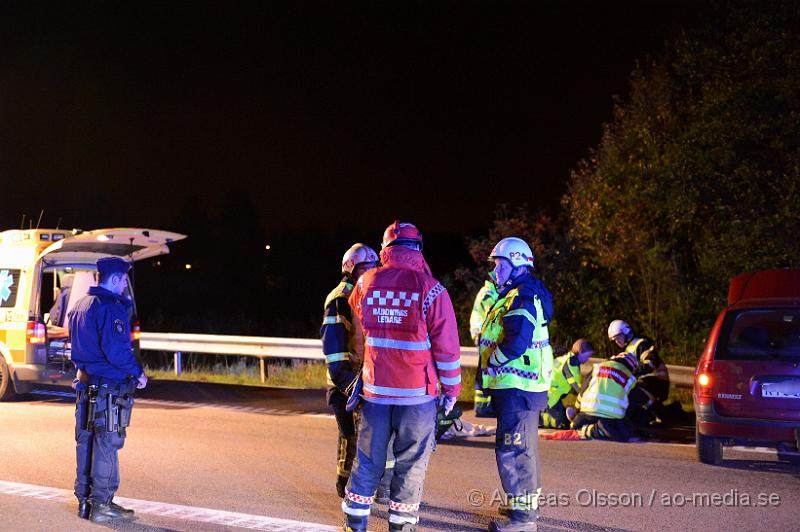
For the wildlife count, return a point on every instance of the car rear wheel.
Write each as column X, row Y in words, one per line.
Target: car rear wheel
column 709, row 449
column 7, row 391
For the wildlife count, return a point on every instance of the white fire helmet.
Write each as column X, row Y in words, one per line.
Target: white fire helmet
column 618, row 327
column 357, row 254
column 516, row 250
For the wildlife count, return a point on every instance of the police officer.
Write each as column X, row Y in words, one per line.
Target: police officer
column 107, row 375
column 341, row 345
column 516, row 363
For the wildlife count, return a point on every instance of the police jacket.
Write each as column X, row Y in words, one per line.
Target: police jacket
column 339, row 337
column 514, row 345
column 100, row 335
column 410, row 335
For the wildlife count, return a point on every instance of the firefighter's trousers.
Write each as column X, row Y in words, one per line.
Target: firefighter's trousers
column 413, row 428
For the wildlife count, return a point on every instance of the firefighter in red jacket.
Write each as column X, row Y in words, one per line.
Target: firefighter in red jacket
column 411, row 351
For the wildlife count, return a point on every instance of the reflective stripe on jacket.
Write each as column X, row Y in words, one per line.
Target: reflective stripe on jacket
column 607, row 393
column 340, row 344
column 649, row 362
column 514, row 345
column 411, row 338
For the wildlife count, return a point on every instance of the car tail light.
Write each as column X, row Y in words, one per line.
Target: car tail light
column 704, row 379
column 35, row 333
column 136, row 332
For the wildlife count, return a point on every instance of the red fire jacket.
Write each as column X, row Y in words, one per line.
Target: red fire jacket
column 410, row 333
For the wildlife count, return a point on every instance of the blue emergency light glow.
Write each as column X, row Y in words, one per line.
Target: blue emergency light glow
column 44, row 236
column 58, row 236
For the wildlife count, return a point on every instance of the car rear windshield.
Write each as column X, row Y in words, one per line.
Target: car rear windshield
column 760, row 334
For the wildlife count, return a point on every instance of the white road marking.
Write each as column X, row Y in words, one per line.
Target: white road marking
column 174, row 511
column 191, row 404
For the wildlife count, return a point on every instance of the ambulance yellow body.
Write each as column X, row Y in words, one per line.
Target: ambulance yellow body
column 43, row 272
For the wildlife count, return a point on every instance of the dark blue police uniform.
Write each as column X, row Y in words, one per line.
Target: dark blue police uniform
column 100, row 335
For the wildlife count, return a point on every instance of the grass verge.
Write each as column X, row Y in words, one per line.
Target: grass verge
column 305, row 374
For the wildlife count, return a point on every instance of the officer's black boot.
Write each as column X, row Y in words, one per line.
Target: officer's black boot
column 127, row 512
column 104, row 512
column 84, row 508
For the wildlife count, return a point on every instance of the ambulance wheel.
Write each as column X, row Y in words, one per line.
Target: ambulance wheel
column 709, row 449
column 7, row 391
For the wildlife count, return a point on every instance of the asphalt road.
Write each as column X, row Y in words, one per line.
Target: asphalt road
column 219, row 457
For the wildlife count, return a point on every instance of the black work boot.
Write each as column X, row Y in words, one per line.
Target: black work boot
column 514, row 525
column 84, row 508
column 382, row 495
column 127, row 512
column 402, row 527
column 104, row 512
column 341, row 484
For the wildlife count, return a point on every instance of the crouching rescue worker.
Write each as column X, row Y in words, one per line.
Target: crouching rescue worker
column 411, row 348
column 652, row 377
column 343, row 347
column 601, row 407
column 516, row 363
column 107, row 375
column 567, row 379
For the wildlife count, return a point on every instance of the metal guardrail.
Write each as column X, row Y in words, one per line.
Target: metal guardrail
column 263, row 347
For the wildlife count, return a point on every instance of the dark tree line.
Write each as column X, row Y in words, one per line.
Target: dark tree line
column 696, row 179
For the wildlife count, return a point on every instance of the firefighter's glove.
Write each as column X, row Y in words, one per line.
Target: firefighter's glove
column 447, row 403
column 141, row 381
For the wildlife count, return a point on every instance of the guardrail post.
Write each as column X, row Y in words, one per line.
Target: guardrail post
column 262, row 367
column 177, row 363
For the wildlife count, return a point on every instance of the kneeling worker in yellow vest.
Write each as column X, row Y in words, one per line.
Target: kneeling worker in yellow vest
column 601, row 407
column 567, row 379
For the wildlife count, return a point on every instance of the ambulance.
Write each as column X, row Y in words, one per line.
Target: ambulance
column 43, row 273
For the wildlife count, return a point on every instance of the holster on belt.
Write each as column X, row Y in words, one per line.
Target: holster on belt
column 92, row 408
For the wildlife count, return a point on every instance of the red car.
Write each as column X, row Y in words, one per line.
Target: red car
column 747, row 382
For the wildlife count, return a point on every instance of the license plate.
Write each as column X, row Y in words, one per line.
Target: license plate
column 781, row 390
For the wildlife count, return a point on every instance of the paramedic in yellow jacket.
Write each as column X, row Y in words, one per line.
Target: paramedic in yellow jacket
column 516, row 363
column 602, row 405
column 567, row 379
column 484, row 301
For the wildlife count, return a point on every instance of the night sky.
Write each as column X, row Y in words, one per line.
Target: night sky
column 307, row 121
column 324, row 113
